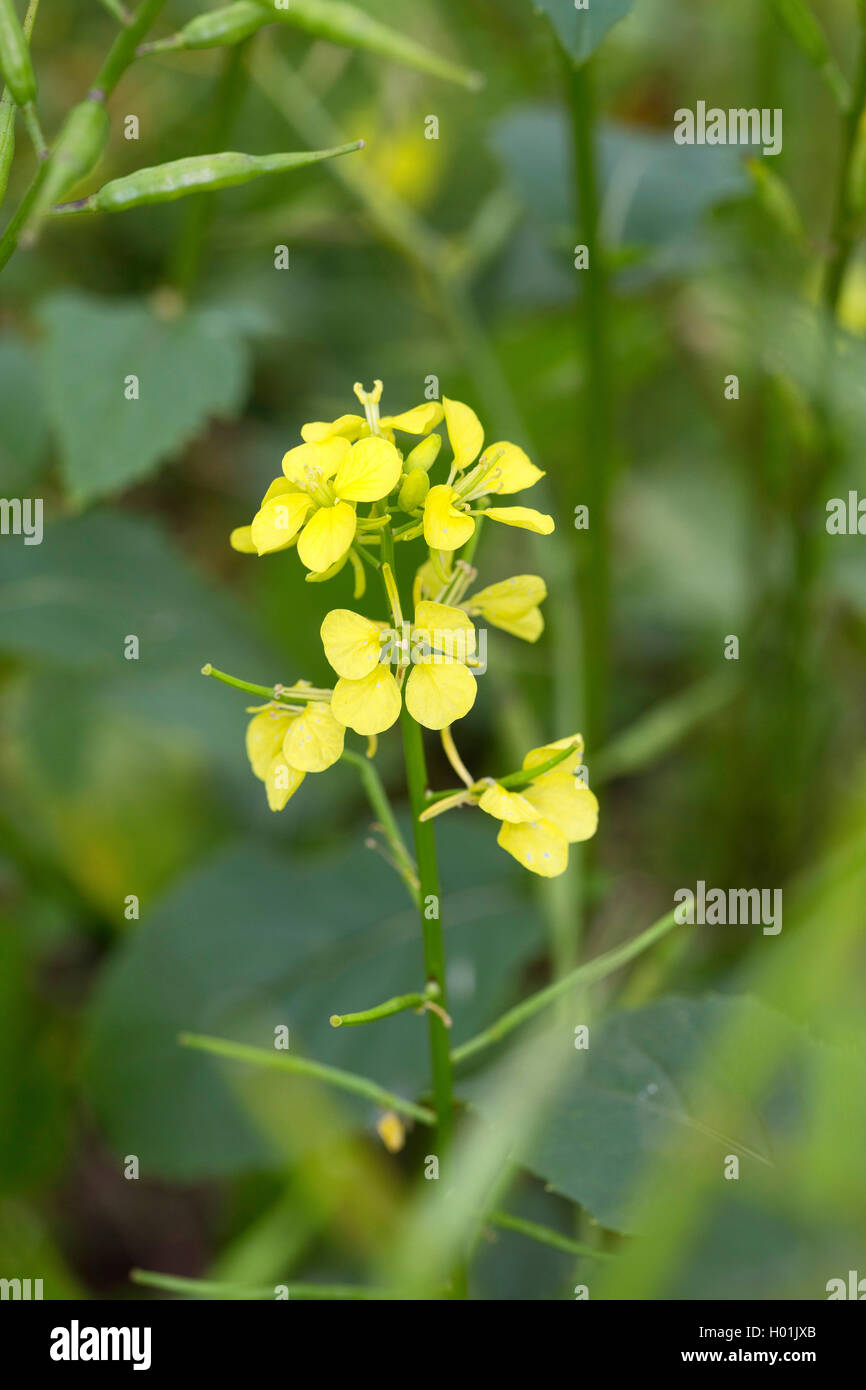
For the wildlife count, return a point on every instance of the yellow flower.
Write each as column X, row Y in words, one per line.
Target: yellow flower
column 542, row 819
column 314, row 504
column 391, row 1131
column 283, row 745
column 440, row 688
column 512, row 605
column 503, row 468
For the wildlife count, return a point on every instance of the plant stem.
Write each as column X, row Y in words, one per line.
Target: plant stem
column 267, row 692
column 303, row 1066
column 378, row 799
column 206, row 1288
column 544, row 1235
column 843, row 231
column 398, row 1005
column 122, row 51
column 588, row 974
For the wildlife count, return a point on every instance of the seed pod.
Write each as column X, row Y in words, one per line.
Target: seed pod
column 15, row 64
column 343, row 23
column 424, row 455
column 215, row 29
column 415, row 487
column 76, row 152
column 196, row 174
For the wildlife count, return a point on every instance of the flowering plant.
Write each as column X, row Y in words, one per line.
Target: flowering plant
column 351, row 493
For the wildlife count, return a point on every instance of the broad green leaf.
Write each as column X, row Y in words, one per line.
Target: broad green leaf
column 622, row 1102
column 23, row 431
column 580, row 31
column 251, row 942
column 189, row 365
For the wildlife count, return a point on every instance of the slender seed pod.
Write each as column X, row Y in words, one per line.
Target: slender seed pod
column 345, row 24
column 215, row 29
column 809, row 37
column 77, row 150
column 15, row 64
column 197, row 174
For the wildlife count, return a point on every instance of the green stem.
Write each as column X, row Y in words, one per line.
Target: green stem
column 291, row 694
column 544, row 1235
column 378, row 799
column 122, row 51
column 207, row 1288
column 584, row 975
column 843, row 231
column 398, row 1005
column 302, row 1066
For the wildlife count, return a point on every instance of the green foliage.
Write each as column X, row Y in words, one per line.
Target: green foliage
column 189, row 365
column 580, row 31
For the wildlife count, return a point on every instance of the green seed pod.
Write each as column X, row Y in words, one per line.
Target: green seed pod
column 415, row 487
column 808, row 35
column 343, row 23
column 425, row 454
column 15, row 63
column 77, row 150
column 197, row 174
column 215, row 29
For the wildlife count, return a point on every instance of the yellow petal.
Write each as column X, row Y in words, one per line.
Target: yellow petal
column 420, row 420
column 513, row 470
column 309, row 464
column 537, row 845
column 445, row 528
column 524, row 517
column 241, row 539
column 439, row 694
column 265, row 734
column 440, row 630
column 370, row 705
column 369, row 472
column 281, row 782
column 352, row 643
column 513, row 605
column 536, row 756
column 349, row 426
column 277, row 488
column 327, row 536
column 572, row 808
column 464, row 432
column 276, row 524
column 508, row 806
column 314, row 740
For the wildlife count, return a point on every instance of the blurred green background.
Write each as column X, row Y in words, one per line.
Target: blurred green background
column 449, row 257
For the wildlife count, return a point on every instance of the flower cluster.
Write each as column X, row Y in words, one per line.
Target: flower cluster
column 338, row 501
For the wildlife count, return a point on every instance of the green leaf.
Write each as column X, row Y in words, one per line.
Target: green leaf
column 253, row 941
column 581, row 31
column 190, row 367
column 23, row 431
column 624, row 1100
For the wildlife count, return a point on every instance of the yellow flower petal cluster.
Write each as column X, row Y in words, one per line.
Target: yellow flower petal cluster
column 542, row 819
column 435, row 649
column 283, row 745
column 503, row 468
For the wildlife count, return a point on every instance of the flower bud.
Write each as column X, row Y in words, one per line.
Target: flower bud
column 424, row 455
column 415, row 487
